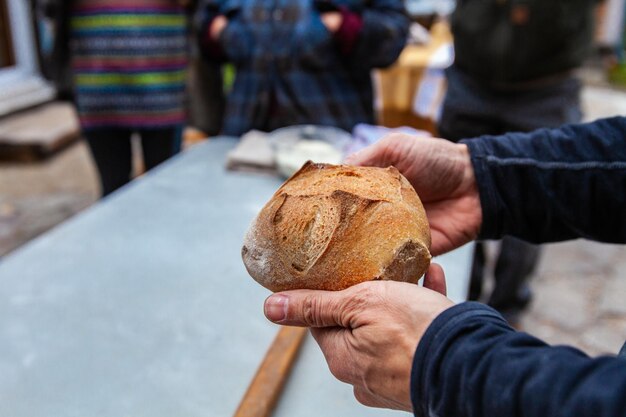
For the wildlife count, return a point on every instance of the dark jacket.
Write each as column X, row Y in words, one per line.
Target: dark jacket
column 504, row 42
column 290, row 69
column 56, row 64
column 544, row 186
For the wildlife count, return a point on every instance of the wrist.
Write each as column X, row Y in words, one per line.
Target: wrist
column 464, row 157
column 469, row 187
column 449, row 331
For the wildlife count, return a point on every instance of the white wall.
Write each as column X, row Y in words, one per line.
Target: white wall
column 21, row 85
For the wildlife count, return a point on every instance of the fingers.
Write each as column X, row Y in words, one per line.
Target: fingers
column 217, row 26
column 367, row 398
column 337, row 345
column 334, row 343
column 364, row 397
column 435, row 279
column 371, row 156
column 306, row 308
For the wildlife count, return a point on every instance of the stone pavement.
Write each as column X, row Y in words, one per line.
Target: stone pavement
column 580, row 296
column 579, row 287
column 35, row 197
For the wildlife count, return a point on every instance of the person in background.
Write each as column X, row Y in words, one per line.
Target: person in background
column 206, row 98
column 128, row 65
column 408, row 347
column 302, row 61
column 514, row 71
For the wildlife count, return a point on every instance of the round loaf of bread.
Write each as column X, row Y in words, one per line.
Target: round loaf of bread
column 332, row 226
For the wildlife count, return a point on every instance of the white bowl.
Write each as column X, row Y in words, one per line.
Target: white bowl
column 295, row 145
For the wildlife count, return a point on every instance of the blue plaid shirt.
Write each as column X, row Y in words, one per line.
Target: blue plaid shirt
column 290, row 69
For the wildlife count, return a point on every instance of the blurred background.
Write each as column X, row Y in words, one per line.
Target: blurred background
column 47, row 173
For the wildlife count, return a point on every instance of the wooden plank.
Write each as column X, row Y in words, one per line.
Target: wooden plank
column 266, row 386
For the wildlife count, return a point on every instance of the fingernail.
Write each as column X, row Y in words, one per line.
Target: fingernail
column 276, row 308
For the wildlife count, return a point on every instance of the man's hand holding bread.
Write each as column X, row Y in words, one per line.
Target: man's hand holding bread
column 368, row 332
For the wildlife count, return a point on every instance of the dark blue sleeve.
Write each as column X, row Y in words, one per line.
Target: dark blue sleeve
column 470, row 363
column 554, row 184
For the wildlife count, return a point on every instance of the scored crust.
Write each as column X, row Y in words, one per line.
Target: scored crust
column 332, row 226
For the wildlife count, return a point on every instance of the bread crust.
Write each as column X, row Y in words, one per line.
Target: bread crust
column 332, row 226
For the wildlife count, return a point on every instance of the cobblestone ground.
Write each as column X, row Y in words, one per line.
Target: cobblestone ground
column 579, row 287
column 580, row 296
column 36, row 197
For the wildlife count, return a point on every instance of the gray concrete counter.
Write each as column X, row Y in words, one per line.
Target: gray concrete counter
column 141, row 306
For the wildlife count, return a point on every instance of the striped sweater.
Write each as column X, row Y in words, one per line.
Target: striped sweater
column 128, row 60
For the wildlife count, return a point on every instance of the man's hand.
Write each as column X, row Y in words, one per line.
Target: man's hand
column 217, row 27
column 441, row 172
column 368, row 333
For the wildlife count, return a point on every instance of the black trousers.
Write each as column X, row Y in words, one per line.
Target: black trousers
column 112, row 153
column 471, row 110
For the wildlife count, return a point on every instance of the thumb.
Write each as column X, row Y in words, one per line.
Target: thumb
column 306, row 308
